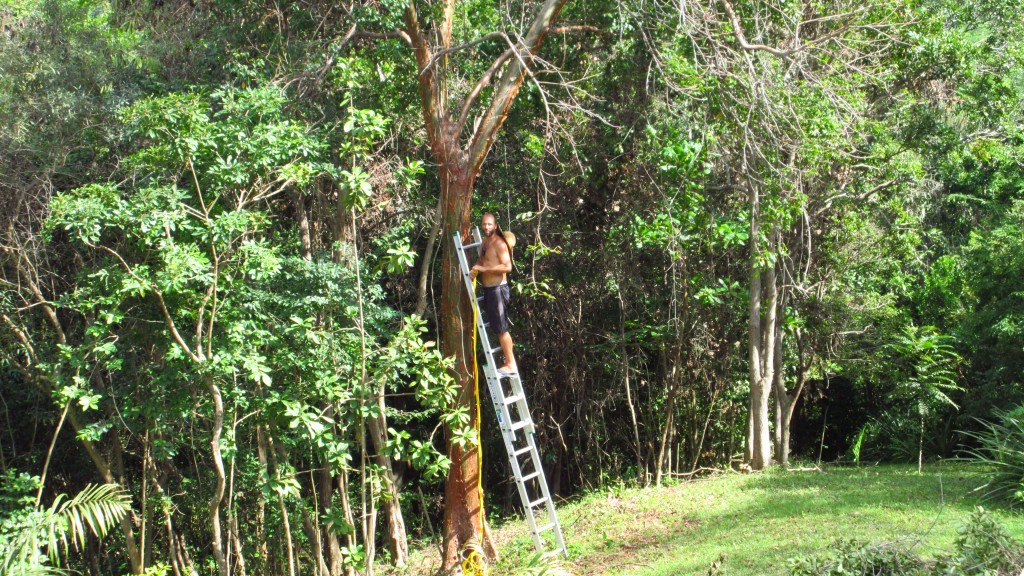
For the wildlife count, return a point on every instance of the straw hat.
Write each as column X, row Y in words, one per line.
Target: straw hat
column 510, row 239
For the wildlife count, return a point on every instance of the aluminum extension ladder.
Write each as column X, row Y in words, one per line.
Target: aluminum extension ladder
column 516, row 425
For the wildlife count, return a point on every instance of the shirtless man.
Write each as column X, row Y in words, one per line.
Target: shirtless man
column 494, row 263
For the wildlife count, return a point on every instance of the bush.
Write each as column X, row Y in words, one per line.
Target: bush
column 982, row 547
column 1000, row 445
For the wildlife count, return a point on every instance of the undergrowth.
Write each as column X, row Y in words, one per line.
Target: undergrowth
column 982, row 547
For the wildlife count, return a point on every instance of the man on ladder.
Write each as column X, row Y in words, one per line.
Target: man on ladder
column 494, row 264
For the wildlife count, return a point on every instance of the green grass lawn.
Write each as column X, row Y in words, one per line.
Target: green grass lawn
column 752, row 523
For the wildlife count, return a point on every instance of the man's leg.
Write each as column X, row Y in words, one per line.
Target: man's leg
column 505, row 339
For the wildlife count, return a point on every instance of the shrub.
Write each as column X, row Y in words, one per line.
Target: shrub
column 1000, row 445
column 982, row 547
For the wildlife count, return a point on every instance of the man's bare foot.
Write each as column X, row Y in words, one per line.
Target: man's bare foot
column 506, row 369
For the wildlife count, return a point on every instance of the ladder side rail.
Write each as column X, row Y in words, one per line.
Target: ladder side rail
column 549, row 503
column 524, row 494
column 517, row 469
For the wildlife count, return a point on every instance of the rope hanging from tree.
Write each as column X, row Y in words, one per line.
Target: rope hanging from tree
column 473, row 559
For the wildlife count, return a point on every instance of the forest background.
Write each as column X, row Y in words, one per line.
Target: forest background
column 749, row 231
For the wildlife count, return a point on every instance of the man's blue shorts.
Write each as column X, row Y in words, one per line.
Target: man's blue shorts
column 496, row 299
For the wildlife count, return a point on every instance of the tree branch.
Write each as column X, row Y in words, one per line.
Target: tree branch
column 579, row 28
column 163, row 305
column 507, row 88
column 439, row 55
column 737, row 30
column 480, row 85
column 428, row 99
column 400, row 34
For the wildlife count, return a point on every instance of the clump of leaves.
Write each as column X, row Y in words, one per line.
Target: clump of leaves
column 1000, row 446
column 983, row 547
column 855, row 558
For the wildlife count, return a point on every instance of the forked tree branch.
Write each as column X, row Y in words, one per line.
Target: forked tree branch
column 480, row 85
column 440, row 55
column 737, row 30
column 507, row 88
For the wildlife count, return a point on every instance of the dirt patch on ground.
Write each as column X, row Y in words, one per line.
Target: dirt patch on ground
column 630, row 529
column 617, row 532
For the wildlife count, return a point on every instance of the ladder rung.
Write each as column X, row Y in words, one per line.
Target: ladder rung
column 468, row 246
column 522, row 451
column 546, row 527
column 531, row 476
column 521, row 425
column 535, row 503
column 512, row 400
column 495, row 349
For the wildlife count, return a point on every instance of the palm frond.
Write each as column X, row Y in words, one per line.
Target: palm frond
column 96, row 509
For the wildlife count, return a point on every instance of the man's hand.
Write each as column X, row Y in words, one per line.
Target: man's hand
column 474, row 271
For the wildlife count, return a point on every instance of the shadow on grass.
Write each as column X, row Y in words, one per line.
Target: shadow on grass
column 758, row 521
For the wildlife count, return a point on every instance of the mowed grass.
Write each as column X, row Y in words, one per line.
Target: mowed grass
column 752, row 523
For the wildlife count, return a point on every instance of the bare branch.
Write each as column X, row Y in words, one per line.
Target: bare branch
column 579, row 28
column 22, row 337
column 48, row 309
column 480, row 85
column 439, row 55
column 399, row 34
column 737, row 30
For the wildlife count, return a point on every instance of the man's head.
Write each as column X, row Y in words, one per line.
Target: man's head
column 488, row 224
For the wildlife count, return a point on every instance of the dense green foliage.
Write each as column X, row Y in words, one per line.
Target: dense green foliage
column 214, row 217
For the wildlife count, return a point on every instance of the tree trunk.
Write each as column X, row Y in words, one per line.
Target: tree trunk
column 641, row 473
column 397, row 541
column 670, row 410
column 920, row 443
column 103, row 467
column 786, row 403
column 325, row 492
column 428, row 258
column 310, row 529
column 458, row 168
column 218, row 466
column 761, row 345
column 463, row 517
